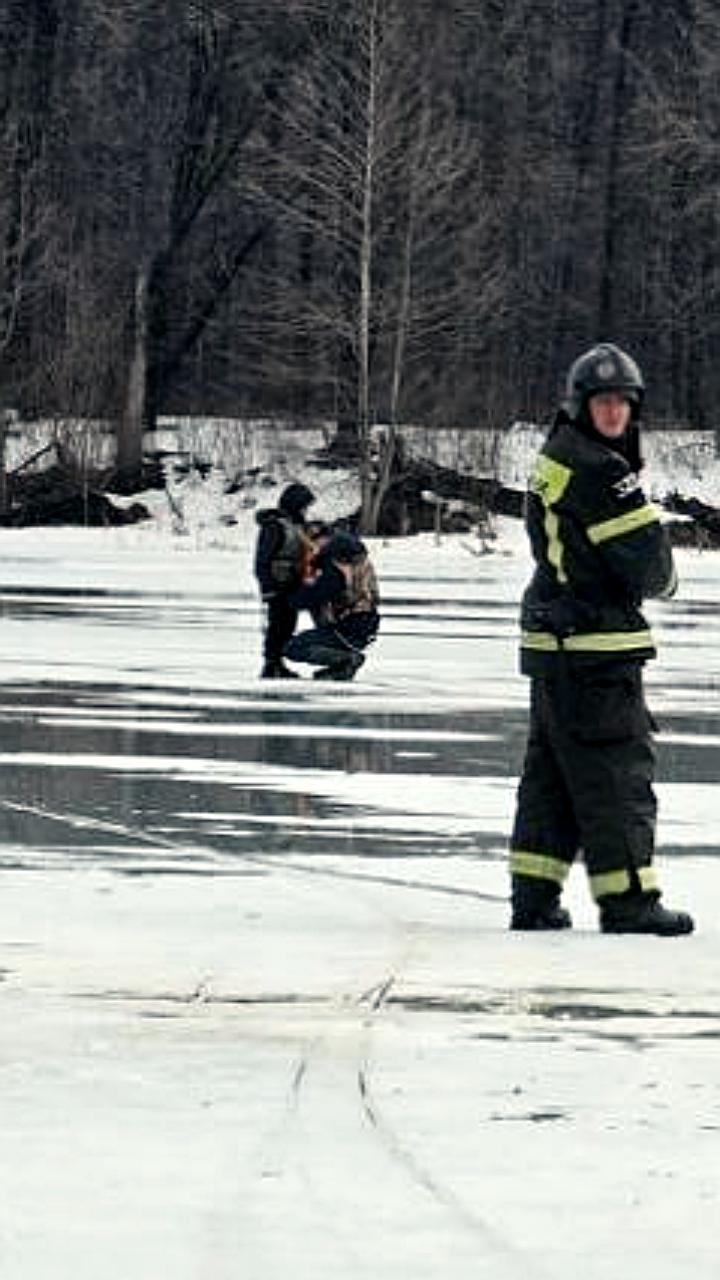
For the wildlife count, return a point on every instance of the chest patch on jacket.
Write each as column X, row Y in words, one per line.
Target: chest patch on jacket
column 629, row 484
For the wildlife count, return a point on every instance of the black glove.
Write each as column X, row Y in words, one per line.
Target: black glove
column 561, row 617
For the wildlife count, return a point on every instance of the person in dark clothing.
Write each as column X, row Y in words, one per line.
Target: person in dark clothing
column 343, row 601
column 281, row 552
column 599, row 551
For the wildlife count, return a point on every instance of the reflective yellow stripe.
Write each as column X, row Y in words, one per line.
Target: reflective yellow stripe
column 609, row 882
column 648, row 878
column 590, row 642
column 613, row 882
column 540, row 866
column 555, row 549
column 619, row 525
column 549, row 481
column 609, row 641
column 540, row 640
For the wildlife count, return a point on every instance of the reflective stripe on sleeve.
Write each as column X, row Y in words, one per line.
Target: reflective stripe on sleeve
column 620, row 525
column 549, row 481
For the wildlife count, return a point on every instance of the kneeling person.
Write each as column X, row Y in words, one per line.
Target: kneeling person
column 343, row 601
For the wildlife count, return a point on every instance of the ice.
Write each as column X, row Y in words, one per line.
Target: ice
column 261, row 1011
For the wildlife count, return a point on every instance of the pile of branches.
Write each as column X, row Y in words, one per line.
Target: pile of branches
column 60, row 494
column 427, row 496
column 701, row 526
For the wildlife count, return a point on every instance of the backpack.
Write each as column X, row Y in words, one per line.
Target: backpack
column 362, row 594
column 286, row 563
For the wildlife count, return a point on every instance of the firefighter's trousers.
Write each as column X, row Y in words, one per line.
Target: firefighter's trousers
column 587, row 782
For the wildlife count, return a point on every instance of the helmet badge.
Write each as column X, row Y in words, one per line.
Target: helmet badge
column 606, row 370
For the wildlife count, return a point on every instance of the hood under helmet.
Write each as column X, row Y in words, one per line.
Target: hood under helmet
column 604, row 367
column 295, row 499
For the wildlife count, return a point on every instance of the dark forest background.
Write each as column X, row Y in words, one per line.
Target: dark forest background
column 369, row 211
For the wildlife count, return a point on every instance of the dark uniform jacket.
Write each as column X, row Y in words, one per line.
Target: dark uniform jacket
column 600, row 550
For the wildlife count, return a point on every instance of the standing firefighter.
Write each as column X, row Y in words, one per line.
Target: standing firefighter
column 600, row 550
column 280, row 555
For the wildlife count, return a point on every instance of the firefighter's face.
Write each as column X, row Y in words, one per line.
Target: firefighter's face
column 609, row 413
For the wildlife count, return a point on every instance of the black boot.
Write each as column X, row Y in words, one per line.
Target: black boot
column 536, row 905
column 638, row 912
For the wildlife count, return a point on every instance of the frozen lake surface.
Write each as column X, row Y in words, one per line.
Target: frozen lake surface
column 262, row 1012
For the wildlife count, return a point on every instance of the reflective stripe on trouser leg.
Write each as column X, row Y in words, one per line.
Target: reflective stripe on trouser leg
column 538, row 866
column 545, row 834
column 599, row 731
column 616, row 811
column 607, row 883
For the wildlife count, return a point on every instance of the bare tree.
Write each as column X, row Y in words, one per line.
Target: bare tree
column 374, row 212
column 165, row 103
column 377, row 169
column 28, row 39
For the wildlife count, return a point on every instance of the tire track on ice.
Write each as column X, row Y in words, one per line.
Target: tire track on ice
column 332, row 1107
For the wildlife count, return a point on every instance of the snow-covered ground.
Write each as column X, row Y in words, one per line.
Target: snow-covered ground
column 261, row 1013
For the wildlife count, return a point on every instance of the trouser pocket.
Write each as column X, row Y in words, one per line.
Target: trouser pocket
column 609, row 708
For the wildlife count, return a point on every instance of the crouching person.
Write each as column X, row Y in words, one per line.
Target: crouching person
column 343, row 601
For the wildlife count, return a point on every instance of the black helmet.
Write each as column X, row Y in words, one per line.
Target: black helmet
column 603, row 368
column 295, row 499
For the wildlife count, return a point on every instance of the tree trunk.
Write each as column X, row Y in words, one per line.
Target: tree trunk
column 390, row 451
column 366, row 250
column 134, row 416
column 4, row 425
column 611, row 274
